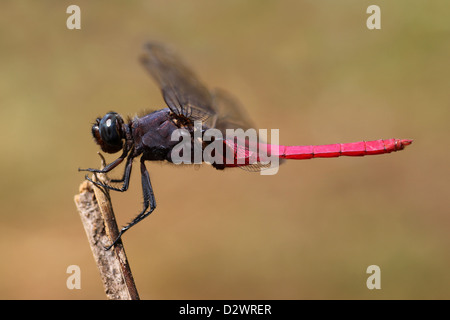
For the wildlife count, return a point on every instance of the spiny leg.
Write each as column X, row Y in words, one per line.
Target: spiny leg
column 125, row 178
column 126, row 174
column 110, row 166
column 149, row 201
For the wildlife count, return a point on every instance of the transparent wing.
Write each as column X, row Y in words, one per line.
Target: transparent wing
column 186, row 96
column 182, row 91
column 230, row 113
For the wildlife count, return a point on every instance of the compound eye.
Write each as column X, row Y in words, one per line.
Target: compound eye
column 108, row 132
column 109, row 129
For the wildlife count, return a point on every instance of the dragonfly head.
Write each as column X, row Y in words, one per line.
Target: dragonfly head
column 109, row 132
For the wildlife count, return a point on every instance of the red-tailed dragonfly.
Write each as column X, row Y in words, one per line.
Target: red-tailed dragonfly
column 189, row 102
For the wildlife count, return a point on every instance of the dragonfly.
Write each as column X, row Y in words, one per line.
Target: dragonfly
column 188, row 101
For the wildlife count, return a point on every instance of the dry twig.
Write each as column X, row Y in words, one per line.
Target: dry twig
column 95, row 209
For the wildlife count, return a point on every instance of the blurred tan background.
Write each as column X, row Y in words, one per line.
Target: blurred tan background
column 309, row 68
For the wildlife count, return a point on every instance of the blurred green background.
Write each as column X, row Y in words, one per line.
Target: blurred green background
column 309, row 68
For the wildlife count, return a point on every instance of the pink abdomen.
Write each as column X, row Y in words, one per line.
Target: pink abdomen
column 355, row 149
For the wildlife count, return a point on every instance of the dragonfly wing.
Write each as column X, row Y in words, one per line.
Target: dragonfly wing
column 182, row 91
column 230, row 113
column 187, row 97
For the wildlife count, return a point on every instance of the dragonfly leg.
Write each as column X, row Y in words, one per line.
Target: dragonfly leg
column 125, row 178
column 149, row 201
column 110, row 166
